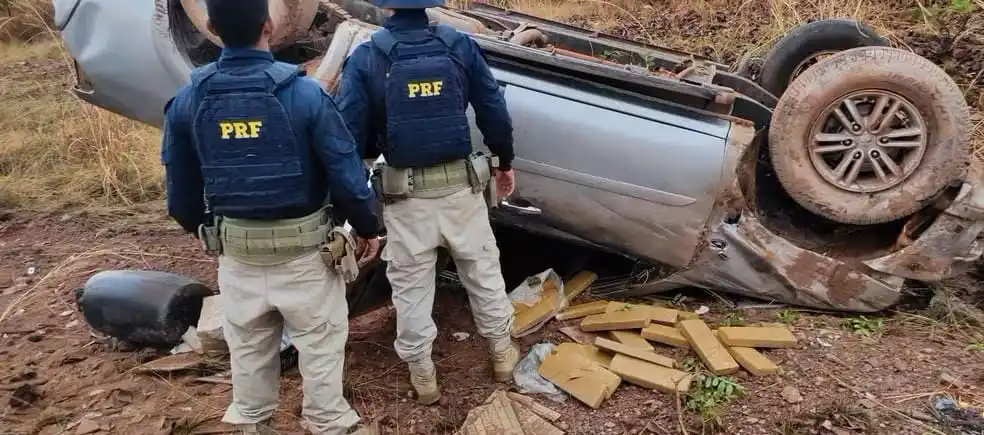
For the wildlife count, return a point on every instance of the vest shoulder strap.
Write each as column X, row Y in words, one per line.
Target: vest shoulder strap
column 384, row 40
column 282, row 74
column 200, row 74
column 447, row 34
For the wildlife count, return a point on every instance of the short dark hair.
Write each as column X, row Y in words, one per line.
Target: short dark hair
column 239, row 23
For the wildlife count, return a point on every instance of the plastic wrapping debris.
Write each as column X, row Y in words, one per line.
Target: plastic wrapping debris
column 960, row 417
column 527, row 376
column 140, row 307
column 536, row 300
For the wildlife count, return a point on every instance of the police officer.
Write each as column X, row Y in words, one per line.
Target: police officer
column 251, row 152
column 404, row 94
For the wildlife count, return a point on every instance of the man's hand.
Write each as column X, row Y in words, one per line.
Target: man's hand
column 505, row 182
column 366, row 249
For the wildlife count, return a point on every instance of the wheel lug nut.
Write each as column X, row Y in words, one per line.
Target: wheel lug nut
column 857, row 155
column 848, row 142
column 883, row 140
column 856, row 127
column 875, row 153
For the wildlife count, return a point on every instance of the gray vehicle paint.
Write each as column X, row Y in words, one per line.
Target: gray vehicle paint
column 658, row 183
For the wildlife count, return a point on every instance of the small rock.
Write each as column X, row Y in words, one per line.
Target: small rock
column 609, row 424
column 791, row 395
column 24, row 395
column 702, row 310
column 949, row 379
column 563, row 425
column 752, row 420
column 65, row 313
column 34, row 338
column 87, row 426
column 460, row 336
column 901, row 366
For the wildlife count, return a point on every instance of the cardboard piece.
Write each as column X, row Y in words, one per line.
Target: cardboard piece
column 209, row 327
column 714, row 355
column 544, row 412
column 649, row 375
column 495, row 416
column 645, row 355
column 753, row 336
column 586, row 380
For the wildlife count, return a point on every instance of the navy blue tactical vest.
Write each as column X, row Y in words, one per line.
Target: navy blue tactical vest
column 425, row 97
column 250, row 157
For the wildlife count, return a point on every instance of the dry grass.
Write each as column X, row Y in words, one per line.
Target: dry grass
column 55, row 150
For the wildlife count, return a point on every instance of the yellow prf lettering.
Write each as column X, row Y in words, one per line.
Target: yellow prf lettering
column 225, row 128
column 241, row 129
column 254, row 129
column 424, row 89
column 413, row 89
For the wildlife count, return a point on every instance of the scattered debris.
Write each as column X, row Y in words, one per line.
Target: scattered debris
column 535, row 301
column 460, row 336
column 791, row 394
column 529, row 380
column 171, row 363
column 87, row 426
column 702, row 310
column 592, row 367
column 957, row 415
column 509, row 414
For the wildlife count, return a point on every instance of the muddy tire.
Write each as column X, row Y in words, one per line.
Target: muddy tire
column 834, row 154
column 807, row 44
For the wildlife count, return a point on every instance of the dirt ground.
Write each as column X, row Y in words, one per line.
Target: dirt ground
column 56, row 377
column 859, row 384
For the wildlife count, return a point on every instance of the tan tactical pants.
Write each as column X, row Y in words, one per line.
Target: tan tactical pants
column 309, row 300
column 415, row 228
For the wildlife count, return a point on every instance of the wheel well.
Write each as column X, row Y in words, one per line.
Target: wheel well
column 784, row 216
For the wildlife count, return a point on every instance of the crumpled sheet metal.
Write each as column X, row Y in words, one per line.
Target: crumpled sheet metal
column 746, row 258
column 950, row 245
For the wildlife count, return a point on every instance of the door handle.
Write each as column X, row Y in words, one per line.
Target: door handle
column 521, row 209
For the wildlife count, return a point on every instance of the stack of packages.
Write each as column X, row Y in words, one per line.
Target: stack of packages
column 614, row 343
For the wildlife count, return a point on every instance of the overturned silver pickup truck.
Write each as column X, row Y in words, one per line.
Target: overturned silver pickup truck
column 825, row 174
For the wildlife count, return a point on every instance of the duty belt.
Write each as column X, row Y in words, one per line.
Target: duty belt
column 268, row 238
column 437, row 181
